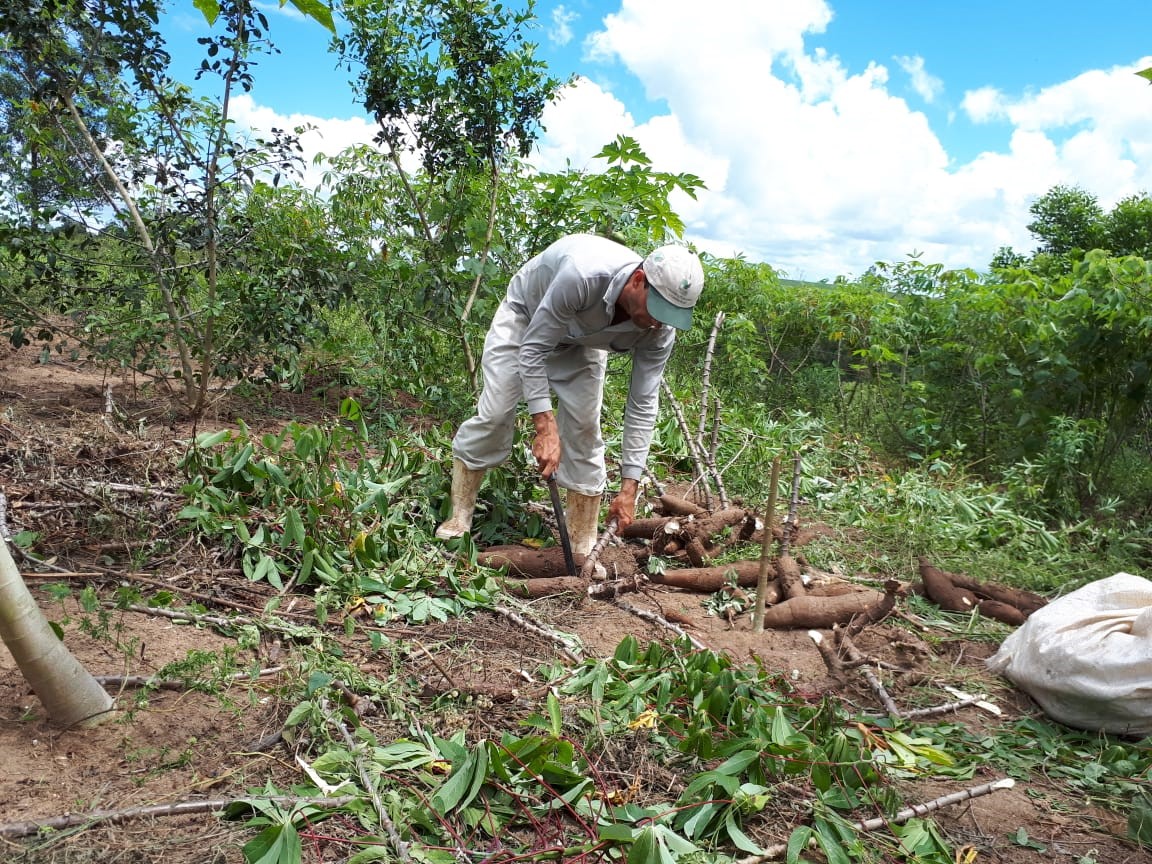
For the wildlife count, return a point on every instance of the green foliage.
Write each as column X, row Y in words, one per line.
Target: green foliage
column 307, row 506
column 1067, row 218
column 733, row 733
column 626, row 199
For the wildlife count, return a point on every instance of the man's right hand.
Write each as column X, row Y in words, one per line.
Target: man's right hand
column 546, row 447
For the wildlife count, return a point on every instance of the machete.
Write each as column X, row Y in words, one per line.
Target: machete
column 562, row 525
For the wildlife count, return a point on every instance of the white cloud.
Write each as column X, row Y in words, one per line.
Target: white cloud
column 819, row 169
column 928, row 87
column 560, row 33
column 326, row 134
column 984, row 105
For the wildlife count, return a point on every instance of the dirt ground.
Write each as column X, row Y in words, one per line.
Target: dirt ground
column 183, row 746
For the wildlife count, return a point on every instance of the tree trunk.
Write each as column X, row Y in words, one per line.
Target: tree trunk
column 68, row 692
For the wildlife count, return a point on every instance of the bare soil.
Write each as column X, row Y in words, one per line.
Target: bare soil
column 180, row 745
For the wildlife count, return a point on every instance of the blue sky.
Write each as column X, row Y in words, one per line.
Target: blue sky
column 831, row 133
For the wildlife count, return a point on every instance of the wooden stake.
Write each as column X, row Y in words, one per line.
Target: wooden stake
column 766, row 549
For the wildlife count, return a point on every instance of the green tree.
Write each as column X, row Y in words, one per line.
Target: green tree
column 455, row 87
column 1066, row 219
column 1128, row 227
column 156, row 177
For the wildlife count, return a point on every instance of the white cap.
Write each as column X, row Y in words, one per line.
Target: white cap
column 675, row 279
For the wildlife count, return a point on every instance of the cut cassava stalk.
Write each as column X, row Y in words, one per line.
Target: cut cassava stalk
column 175, row 683
column 818, row 613
column 766, row 550
column 775, row 853
column 848, row 649
column 690, row 440
column 706, row 377
column 661, row 621
column 155, row 811
column 522, row 621
column 828, row 654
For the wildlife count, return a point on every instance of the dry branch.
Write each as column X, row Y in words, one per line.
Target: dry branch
column 848, row 649
column 521, row 621
column 660, row 621
column 775, row 853
column 182, row 808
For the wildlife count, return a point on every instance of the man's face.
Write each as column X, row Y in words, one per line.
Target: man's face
column 640, row 316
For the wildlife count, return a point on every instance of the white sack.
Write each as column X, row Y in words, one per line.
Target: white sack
column 1086, row 658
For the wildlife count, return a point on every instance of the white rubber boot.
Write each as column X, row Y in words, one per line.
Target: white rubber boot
column 465, row 486
column 583, row 515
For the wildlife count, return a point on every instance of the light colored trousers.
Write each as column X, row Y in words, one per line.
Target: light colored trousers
column 575, row 374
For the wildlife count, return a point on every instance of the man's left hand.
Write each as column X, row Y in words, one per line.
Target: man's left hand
column 623, row 506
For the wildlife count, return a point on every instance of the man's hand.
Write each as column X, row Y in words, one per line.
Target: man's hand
column 623, row 506
column 546, row 447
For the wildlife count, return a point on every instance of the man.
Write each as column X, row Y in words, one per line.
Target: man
column 565, row 310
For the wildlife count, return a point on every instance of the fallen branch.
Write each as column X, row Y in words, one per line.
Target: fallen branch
column 183, row 808
column 521, row 621
column 778, row 851
column 849, row 649
column 661, row 621
column 356, row 748
column 123, row 681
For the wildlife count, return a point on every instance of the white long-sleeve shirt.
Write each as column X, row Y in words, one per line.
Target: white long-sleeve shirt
column 568, row 294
